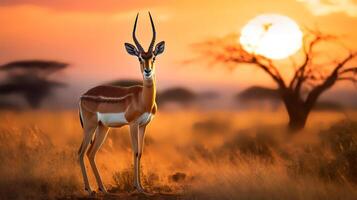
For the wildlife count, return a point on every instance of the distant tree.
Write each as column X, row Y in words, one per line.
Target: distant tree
column 208, row 95
column 178, row 95
column 258, row 93
column 310, row 78
column 30, row 78
column 37, row 68
column 328, row 105
column 6, row 105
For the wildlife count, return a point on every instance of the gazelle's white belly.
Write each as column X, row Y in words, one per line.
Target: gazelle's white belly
column 118, row 119
column 112, row 119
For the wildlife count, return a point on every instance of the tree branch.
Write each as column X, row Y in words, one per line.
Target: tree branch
column 345, row 71
column 329, row 81
column 270, row 68
column 300, row 76
column 353, row 79
column 305, row 61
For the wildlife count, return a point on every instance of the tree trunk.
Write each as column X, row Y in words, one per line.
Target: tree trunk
column 297, row 111
column 297, row 120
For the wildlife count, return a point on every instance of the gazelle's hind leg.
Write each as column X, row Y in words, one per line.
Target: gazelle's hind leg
column 89, row 123
column 101, row 134
column 88, row 135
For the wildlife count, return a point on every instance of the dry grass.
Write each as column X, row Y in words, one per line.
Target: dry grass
column 200, row 155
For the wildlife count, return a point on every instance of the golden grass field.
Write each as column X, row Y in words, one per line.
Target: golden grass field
column 194, row 155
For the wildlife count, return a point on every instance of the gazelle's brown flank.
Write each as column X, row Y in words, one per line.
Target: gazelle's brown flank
column 103, row 107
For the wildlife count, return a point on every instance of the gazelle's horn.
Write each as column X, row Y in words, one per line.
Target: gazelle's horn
column 140, row 48
column 153, row 35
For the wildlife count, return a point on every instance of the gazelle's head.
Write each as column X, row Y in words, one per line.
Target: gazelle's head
column 146, row 58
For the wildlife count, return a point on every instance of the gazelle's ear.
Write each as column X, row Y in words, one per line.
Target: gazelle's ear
column 159, row 48
column 131, row 49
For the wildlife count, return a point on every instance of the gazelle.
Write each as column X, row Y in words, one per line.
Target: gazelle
column 104, row 107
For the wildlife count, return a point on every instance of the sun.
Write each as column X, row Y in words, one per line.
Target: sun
column 271, row 35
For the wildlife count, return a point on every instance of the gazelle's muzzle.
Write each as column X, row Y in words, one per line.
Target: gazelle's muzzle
column 148, row 73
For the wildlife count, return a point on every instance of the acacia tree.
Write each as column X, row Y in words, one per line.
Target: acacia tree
column 310, row 78
column 31, row 79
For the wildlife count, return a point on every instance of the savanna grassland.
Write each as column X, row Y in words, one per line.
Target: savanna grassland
column 194, row 155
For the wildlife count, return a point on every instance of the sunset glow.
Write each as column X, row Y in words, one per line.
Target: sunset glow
column 271, row 35
column 91, row 36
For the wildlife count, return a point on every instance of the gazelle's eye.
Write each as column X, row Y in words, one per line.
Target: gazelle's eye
column 153, row 59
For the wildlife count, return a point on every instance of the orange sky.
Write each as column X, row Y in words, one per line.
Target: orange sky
column 90, row 35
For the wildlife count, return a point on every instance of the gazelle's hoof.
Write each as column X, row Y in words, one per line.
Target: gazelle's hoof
column 91, row 193
column 103, row 190
column 140, row 190
column 146, row 193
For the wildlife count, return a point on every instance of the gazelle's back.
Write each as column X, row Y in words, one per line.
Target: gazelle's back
column 113, row 91
column 109, row 99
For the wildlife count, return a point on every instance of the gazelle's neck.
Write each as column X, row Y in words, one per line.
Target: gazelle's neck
column 149, row 93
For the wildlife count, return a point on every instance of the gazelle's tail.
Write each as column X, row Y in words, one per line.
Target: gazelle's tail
column 80, row 119
column 80, row 148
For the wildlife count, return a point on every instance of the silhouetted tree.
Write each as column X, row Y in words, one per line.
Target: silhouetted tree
column 310, row 78
column 30, row 78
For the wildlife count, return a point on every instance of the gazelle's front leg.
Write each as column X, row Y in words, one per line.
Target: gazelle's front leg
column 140, row 151
column 134, row 129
